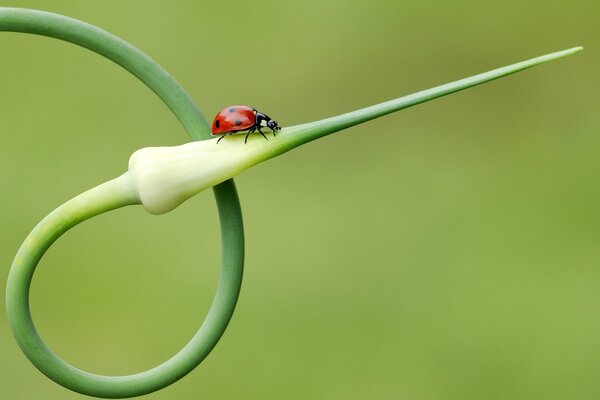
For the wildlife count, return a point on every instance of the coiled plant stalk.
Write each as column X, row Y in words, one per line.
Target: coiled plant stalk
column 162, row 178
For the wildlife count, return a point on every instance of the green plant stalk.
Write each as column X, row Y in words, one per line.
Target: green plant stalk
column 115, row 49
column 301, row 134
column 162, row 178
column 104, row 198
column 109, row 196
column 167, row 176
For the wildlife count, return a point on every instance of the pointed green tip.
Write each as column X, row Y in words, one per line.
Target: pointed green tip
column 564, row 53
column 573, row 50
column 568, row 52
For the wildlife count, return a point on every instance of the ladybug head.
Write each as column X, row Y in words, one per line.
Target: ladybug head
column 272, row 124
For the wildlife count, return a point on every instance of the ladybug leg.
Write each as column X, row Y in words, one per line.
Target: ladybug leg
column 262, row 133
column 223, row 135
column 252, row 129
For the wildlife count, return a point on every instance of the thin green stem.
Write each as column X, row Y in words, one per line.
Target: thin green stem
column 108, row 196
column 114, row 194
column 167, row 176
column 115, row 49
column 296, row 135
column 104, row 198
column 188, row 172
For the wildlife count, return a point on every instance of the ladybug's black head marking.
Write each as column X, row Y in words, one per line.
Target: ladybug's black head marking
column 272, row 124
column 265, row 120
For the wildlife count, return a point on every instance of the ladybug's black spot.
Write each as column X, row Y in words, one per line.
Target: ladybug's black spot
column 231, row 110
column 238, row 122
column 217, row 123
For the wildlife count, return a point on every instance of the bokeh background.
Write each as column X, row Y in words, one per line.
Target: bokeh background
column 449, row 251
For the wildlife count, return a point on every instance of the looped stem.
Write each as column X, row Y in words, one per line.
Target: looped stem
column 114, row 194
column 110, row 195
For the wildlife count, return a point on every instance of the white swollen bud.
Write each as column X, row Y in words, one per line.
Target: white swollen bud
column 167, row 176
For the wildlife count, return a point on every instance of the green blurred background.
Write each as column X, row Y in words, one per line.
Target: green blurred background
column 449, row 251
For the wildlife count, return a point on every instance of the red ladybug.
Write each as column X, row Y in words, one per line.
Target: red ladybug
column 235, row 119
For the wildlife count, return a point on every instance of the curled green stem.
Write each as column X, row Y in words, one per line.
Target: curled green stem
column 115, row 49
column 117, row 194
column 162, row 178
column 114, row 194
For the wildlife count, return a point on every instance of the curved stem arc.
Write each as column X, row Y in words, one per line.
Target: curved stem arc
column 111, row 195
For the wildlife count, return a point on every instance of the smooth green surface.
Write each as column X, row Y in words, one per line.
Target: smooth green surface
column 166, row 176
column 109, row 196
column 71, row 30
column 300, row 134
column 449, row 251
column 103, row 198
column 106, row 197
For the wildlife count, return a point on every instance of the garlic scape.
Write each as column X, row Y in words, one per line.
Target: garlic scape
column 165, row 177
column 161, row 178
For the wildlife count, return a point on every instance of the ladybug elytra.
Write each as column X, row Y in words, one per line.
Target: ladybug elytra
column 236, row 119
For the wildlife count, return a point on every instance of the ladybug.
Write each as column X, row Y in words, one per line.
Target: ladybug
column 235, row 119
